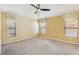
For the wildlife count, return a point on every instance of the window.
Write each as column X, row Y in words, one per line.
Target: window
column 11, row 24
column 43, row 25
column 71, row 27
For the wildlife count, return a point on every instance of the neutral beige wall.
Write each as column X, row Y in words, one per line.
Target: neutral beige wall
column 0, row 26
column 24, row 28
column 0, row 32
column 55, row 28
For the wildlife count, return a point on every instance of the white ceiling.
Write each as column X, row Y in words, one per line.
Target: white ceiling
column 18, row 9
column 28, row 10
column 58, row 9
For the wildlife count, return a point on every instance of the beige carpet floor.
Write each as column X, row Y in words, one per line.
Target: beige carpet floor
column 40, row 46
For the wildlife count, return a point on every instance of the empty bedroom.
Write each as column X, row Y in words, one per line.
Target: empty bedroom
column 39, row 29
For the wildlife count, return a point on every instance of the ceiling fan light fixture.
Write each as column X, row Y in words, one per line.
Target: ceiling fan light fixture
column 38, row 9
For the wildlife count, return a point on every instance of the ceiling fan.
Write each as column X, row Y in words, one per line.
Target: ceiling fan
column 38, row 8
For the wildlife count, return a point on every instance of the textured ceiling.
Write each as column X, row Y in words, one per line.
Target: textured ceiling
column 58, row 9
column 18, row 9
column 27, row 10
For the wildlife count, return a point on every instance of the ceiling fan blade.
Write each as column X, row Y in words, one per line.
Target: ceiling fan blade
column 34, row 6
column 45, row 9
column 38, row 6
column 35, row 12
